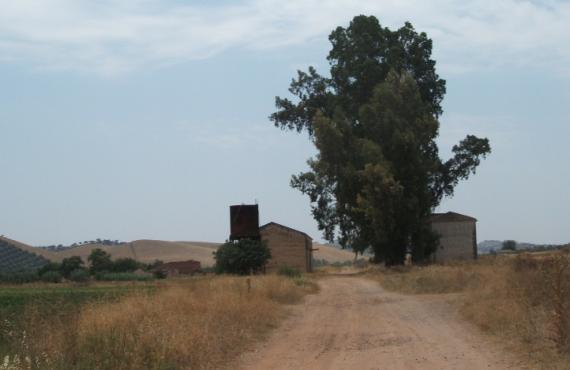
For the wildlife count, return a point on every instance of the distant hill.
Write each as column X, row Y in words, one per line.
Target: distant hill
column 172, row 251
column 18, row 257
column 28, row 248
column 488, row 246
column 148, row 251
column 331, row 253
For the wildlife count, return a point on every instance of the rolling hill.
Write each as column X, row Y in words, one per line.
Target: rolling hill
column 171, row 251
column 18, row 257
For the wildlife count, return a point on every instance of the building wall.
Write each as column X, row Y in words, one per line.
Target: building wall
column 288, row 248
column 458, row 241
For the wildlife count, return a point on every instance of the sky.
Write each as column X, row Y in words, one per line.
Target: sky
column 146, row 119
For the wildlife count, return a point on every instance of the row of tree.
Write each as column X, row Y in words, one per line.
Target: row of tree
column 106, row 242
column 99, row 262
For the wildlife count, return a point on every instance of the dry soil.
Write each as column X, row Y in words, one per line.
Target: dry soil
column 352, row 323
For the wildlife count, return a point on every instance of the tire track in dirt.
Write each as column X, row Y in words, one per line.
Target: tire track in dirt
column 352, row 323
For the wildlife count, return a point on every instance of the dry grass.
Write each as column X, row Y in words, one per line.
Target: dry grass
column 431, row 279
column 524, row 301
column 187, row 323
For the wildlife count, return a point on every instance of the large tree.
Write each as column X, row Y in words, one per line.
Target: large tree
column 377, row 175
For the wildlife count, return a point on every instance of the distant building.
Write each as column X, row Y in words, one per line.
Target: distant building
column 189, row 267
column 289, row 247
column 458, row 236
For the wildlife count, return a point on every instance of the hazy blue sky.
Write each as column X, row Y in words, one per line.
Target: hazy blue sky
column 129, row 119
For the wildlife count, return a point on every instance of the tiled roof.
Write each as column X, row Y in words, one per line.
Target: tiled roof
column 284, row 227
column 451, row 217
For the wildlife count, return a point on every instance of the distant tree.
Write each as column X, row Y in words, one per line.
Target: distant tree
column 125, row 265
column 241, row 257
column 99, row 261
column 69, row 264
column 509, row 245
column 153, row 265
column 52, row 266
column 377, row 175
column 79, row 275
column 51, row 277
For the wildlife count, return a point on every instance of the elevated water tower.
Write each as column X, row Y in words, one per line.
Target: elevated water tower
column 244, row 222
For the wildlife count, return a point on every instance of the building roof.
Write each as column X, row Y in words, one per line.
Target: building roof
column 284, row 227
column 183, row 267
column 451, row 217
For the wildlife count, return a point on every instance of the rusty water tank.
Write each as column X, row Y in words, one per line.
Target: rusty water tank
column 244, row 222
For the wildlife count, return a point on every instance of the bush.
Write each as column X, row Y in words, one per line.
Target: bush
column 52, row 266
column 21, row 277
column 100, row 261
column 289, row 271
column 51, row 277
column 122, row 276
column 509, row 245
column 159, row 274
column 79, row 275
column 242, row 257
column 125, row 265
column 70, row 264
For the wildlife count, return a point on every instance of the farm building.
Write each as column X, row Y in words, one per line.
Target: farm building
column 189, row 267
column 289, row 247
column 458, row 236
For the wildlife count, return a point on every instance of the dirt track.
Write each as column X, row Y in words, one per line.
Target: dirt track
column 354, row 324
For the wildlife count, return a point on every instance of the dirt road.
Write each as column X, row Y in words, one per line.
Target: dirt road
column 352, row 323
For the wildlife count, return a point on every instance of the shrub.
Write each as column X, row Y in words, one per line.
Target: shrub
column 151, row 266
column 509, row 245
column 289, row 271
column 124, row 265
column 52, row 266
column 159, row 274
column 51, row 277
column 79, row 275
column 21, row 277
column 242, row 257
column 100, row 261
column 70, row 264
column 208, row 270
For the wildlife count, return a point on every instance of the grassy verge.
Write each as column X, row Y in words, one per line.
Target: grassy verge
column 523, row 300
column 197, row 323
column 51, row 302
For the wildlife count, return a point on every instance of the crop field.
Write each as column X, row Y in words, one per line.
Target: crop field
column 53, row 301
column 180, row 323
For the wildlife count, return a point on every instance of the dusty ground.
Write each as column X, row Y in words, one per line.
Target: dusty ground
column 354, row 324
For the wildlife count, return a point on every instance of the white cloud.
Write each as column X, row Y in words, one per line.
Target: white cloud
column 115, row 36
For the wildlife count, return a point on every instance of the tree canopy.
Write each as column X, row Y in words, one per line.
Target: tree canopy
column 377, row 175
column 100, row 261
column 242, row 257
column 509, row 245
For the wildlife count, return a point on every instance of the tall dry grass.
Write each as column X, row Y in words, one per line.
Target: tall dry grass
column 525, row 300
column 186, row 324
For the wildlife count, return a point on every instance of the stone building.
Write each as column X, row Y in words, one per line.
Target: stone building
column 458, row 237
column 189, row 267
column 289, row 247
